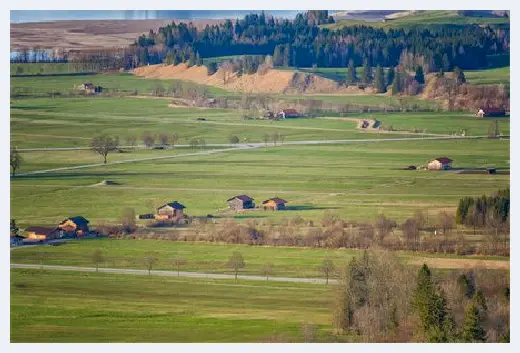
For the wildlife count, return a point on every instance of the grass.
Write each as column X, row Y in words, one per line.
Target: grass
column 96, row 307
column 357, row 181
column 123, row 83
column 423, row 18
column 488, row 77
column 39, row 122
column 201, row 257
column 44, row 69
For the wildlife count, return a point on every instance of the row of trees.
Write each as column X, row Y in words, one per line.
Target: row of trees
column 302, row 43
column 417, row 233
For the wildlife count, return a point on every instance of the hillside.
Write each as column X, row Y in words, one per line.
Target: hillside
column 273, row 81
column 413, row 18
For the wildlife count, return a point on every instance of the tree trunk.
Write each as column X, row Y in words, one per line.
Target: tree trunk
column 327, row 282
column 97, row 266
column 105, row 156
column 236, row 275
column 178, row 272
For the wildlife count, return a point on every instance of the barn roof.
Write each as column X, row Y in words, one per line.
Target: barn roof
column 40, row 230
column 78, row 220
column 289, row 111
column 444, row 160
column 244, row 198
column 174, row 205
column 275, row 199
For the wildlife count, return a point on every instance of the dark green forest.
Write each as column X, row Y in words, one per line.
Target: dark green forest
column 302, row 43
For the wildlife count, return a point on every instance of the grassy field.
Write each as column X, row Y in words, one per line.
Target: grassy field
column 424, row 18
column 123, row 83
column 209, row 257
column 488, row 77
column 44, row 69
column 357, row 181
column 97, row 307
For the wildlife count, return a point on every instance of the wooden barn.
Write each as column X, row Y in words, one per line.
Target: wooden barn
column 288, row 113
column 441, row 163
column 172, row 210
column 241, row 202
column 42, row 233
column 74, row 227
column 274, row 204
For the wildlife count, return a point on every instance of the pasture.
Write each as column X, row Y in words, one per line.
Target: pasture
column 211, row 258
column 97, row 307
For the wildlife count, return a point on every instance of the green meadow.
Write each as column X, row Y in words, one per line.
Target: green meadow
column 103, row 308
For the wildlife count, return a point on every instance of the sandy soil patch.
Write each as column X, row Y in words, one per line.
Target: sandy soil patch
column 274, row 81
column 460, row 263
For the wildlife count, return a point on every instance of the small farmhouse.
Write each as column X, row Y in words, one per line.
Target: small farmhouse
column 42, row 233
column 74, row 227
column 288, row 113
column 274, row 204
column 240, row 202
column 171, row 211
column 441, row 163
column 490, row 112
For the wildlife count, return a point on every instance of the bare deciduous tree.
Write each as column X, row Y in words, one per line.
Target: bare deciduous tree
column 97, row 258
column 267, row 270
column 103, row 145
column 177, row 262
column 327, row 268
column 266, row 139
column 150, row 260
column 174, row 138
column 236, row 262
column 128, row 220
column 164, row 139
column 16, row 160
column 148, row 139
column 131, row 141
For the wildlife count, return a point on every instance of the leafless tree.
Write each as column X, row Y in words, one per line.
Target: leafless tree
column 150, row 260
column 103, row 145
column 194, row 143
column 131, row 141
column 202, row 143
column 16, row 160
column 148, row 139
column 327, row 268
column 174, row 138
column 384, row 227
column 267, row 269
column 236, row 262
column 266, row 139
column 164, row 139
column 97, row 258
column 275, row 138
column 128, row 220
column 177, row 262
column 411, row 234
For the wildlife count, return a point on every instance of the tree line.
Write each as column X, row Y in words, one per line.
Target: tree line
column 302, row 43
